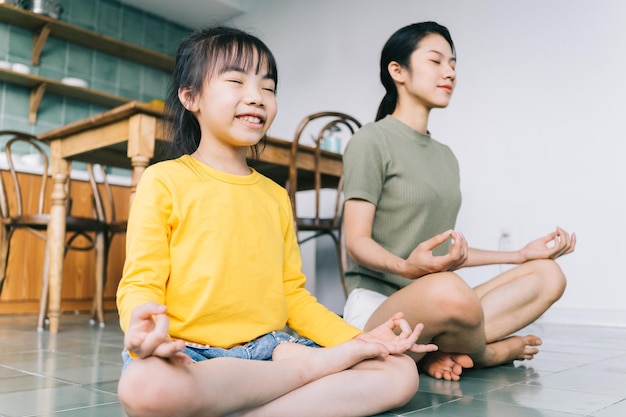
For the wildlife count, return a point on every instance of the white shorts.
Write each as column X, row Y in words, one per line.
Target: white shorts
column 360, row 306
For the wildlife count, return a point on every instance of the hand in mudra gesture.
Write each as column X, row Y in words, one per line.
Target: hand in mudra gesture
column 550, row 246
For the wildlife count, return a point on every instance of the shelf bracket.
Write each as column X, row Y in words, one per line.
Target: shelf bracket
column 39, row 40
column 36, row 95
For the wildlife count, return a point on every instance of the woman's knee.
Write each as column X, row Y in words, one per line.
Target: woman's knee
column 455, row 299
column 551, row 277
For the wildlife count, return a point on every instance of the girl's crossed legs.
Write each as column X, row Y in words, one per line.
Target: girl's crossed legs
column 343, row 380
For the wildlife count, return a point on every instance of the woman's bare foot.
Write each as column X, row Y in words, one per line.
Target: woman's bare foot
column 443, row 365
column 508, row 350
column 320, row 362
column 449, row 366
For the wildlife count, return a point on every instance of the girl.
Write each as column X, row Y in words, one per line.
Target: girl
column 213, row 270
column 400, row 211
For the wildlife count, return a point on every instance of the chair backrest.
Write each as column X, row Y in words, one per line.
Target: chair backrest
column 17, row 146
column 103, row 195
column 316, row 130
column 24, row 153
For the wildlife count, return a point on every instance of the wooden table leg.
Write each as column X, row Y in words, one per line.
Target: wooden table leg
column 56, row 240
column 139, row 163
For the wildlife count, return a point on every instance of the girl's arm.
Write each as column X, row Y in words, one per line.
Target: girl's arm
column 358, row 221
column 147, row 264
column 550, row 246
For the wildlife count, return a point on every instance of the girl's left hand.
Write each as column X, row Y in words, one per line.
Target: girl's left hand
column 540, row 248
column 397, row 343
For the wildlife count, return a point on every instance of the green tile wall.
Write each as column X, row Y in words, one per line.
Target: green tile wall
column 104, row 72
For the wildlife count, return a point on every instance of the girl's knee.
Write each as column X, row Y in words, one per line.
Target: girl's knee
column 131, row 391
column 404, row 377
column 145, row 389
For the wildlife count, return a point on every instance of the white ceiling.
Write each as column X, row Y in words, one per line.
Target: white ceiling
column 192, row 13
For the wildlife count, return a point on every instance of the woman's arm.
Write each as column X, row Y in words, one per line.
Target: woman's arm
column 358, row 221
column 550, row 246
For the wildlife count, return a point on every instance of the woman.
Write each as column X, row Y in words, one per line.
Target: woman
column 402, row 198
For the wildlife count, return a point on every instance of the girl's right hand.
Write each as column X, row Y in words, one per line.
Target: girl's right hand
column 147, row 334
column 397, row 336
column 422, row 261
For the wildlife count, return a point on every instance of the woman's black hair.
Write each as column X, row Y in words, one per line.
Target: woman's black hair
column 399, row 48
column 201, row 55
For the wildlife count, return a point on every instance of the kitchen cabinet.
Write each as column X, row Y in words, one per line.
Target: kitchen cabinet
column 40, row 85
column 43, row 27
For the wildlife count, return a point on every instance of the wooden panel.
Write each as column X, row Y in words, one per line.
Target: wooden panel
column 22, row 288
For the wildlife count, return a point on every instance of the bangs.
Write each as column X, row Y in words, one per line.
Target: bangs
column 241, row 53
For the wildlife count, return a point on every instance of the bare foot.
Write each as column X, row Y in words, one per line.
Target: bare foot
column 510, row 349
column 443, row 365
column 320, row 362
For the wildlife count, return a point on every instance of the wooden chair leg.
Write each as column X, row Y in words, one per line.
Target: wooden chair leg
column 341, row 262
column 45, row 284
column 5, row 244
column 94, row 305
column 97, row 309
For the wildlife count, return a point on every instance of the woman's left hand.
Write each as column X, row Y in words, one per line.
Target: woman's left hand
column 541, row 248
column 397, row 343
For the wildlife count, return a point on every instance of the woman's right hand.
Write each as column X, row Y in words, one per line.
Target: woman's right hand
column 147, row 334
column 422, row 261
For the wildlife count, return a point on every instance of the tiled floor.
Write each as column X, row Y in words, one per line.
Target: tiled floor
column 581, row 371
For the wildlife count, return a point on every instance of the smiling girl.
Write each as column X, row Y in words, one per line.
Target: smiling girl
column 213, row 270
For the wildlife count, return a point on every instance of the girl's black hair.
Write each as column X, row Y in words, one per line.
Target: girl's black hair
column 201, row 55
column 399, row 48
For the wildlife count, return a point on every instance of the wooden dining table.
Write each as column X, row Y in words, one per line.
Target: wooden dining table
column 133, row 136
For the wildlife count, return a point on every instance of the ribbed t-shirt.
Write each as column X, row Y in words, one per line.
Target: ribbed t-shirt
column 413, row 181
column 220, row 251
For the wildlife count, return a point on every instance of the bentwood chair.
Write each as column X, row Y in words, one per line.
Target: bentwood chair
column 316, row 130
column 19, row 212
column 105, row 211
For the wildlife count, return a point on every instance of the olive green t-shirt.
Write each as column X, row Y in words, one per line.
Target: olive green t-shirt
column 413, row 181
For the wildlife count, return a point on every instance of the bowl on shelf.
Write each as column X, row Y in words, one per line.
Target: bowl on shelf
column 21, row 68
column 75, row 82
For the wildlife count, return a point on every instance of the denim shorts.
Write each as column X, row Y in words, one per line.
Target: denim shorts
column 259, row 349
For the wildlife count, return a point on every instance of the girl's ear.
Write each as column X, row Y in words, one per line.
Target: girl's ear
column 397, row 72
column 187, row 99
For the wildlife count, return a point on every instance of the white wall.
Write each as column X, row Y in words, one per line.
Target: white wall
column 536, row 121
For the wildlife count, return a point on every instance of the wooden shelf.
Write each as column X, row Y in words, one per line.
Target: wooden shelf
column 44, row 26
column 40, row 85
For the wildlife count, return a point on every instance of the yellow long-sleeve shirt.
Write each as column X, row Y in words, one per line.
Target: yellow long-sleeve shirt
column 219, row 250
